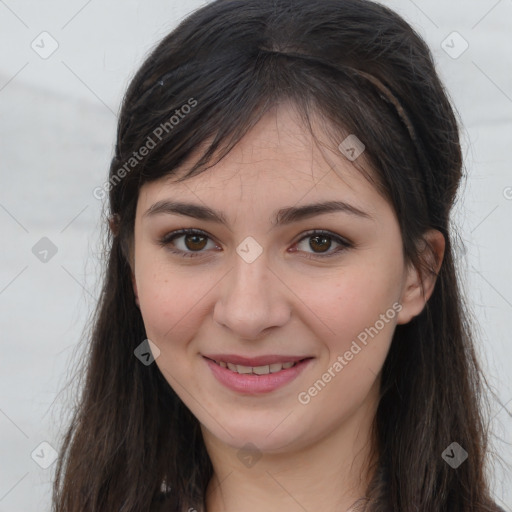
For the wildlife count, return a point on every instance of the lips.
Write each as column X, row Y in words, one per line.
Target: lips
column 255, row 361
column 257, row 370
column 262, row 365
column 258, row 374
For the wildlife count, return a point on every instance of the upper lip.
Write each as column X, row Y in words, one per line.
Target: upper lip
column 254, row 361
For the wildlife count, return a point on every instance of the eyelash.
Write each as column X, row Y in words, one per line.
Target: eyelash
column 167, row 239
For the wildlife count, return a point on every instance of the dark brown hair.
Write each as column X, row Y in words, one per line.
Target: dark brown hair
column 361, row 68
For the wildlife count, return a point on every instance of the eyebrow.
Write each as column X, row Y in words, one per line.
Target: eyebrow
column 282, row 217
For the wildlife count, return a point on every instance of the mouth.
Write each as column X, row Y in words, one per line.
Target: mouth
column 256, row 375
column 257, row 370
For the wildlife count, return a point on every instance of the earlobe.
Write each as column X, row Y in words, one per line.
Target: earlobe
column 419, row 285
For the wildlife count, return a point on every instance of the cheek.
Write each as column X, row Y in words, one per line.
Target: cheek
column 172, row 300
column 357, row 343
column 350, row 303
column 167, row 307
column 356, row 315
column 170, row 309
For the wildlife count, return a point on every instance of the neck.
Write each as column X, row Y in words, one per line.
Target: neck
column 330, row 474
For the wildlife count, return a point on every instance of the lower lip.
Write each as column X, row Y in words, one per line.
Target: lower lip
column 255, row 384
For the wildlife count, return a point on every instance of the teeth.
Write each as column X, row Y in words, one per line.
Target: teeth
column 243, row 369
column 258, row 370
column 261, row 370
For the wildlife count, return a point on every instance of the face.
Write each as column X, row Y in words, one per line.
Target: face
column 267, row 283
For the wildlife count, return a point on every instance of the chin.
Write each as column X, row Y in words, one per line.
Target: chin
column 266, row 436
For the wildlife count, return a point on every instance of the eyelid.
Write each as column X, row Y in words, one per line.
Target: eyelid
column 166, row 240
column 342, row 241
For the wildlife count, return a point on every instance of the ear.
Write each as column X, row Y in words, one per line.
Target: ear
column 418, row 286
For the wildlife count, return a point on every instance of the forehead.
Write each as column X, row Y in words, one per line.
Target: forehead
column 278, row 161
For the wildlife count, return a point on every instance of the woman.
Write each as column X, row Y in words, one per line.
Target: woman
column 281, row 325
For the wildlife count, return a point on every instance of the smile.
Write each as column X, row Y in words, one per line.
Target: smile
column 257, row 370
column 257, row 379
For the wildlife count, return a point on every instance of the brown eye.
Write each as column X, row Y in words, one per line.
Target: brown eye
column 187, row 242
column 195, row 242
column 320, row 243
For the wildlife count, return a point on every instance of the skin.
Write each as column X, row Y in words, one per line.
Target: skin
column 313, row 456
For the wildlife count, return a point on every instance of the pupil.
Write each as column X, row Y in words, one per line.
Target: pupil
column 194, row 243
column 324, row 240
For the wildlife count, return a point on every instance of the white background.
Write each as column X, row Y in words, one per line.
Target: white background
column 57, row 127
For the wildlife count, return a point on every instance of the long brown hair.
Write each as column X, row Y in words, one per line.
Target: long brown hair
column 364, row 70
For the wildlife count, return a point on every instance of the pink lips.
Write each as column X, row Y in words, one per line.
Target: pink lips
column 255, row 384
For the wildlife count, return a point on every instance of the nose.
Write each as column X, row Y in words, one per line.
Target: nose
column 252, row 300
